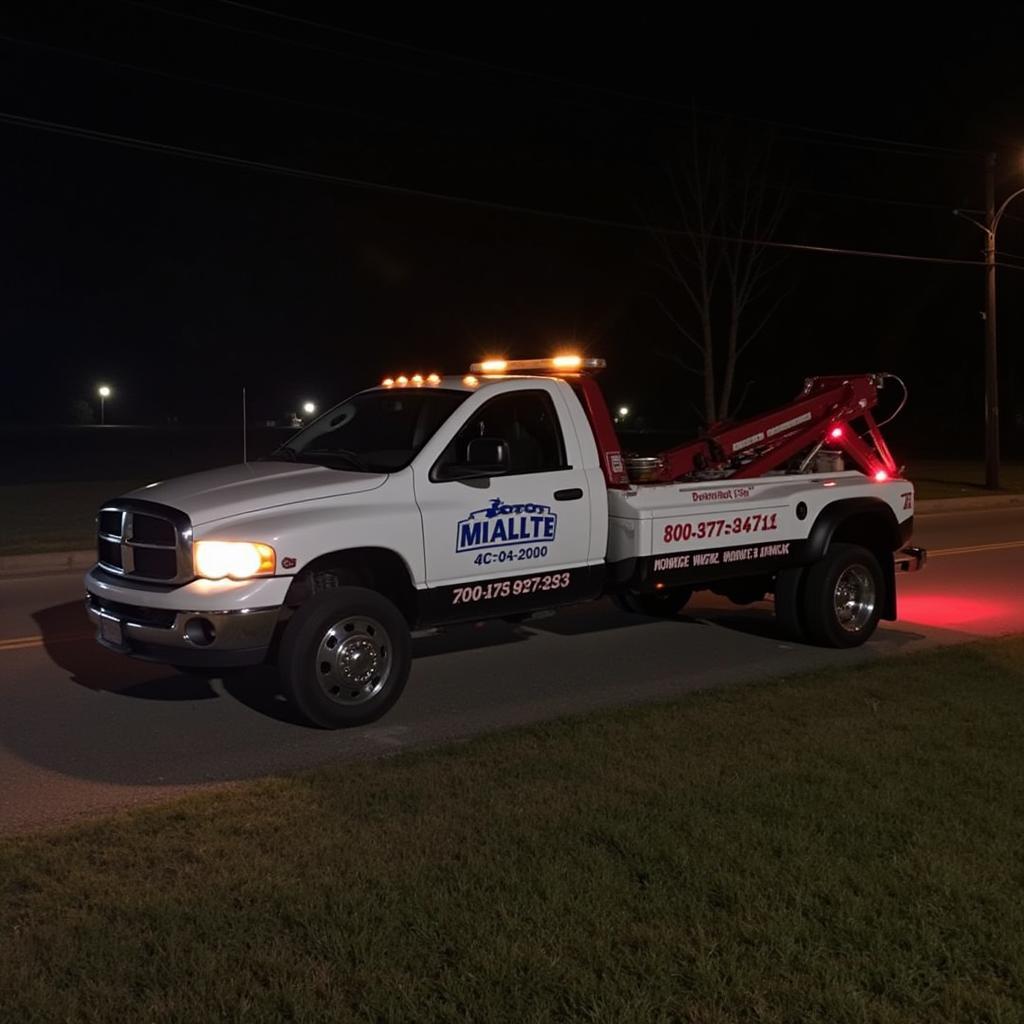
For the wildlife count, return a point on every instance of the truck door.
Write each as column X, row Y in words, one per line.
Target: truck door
column 516, row 536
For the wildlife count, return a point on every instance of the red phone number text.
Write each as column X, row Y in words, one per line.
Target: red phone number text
column 707, row 529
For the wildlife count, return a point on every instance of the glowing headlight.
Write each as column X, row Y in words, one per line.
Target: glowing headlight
column 216, row 559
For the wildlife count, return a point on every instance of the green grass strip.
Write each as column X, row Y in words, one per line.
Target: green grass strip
column 838, row 847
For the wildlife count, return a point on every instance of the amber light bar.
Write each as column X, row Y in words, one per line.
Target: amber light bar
column 554, row 364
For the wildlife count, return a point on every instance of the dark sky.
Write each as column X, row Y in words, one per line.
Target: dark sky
column 177, row 280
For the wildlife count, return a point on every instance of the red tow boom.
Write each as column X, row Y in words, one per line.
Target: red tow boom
column 822, row 415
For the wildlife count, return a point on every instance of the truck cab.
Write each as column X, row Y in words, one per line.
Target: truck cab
column 433, row 500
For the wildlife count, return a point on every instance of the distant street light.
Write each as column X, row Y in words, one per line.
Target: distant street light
column 104, row 392
column 992, row 218
column 623, row 411
column 309, row 408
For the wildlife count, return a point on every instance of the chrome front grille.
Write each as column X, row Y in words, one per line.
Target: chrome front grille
column 143, row 540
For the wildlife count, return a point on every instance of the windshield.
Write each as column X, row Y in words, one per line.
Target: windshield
column 374, row 431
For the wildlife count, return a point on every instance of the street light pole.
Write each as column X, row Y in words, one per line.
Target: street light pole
column 991, row 370
column 104, row 393
column 993, row 215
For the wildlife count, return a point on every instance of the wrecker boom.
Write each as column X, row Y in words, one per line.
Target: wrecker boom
column 823, row 414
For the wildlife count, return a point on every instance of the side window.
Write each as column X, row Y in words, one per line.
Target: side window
column 525, row 421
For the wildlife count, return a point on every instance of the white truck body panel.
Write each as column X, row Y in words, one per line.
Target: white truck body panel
column 478, row 530
column 670, row 519
column 222, row 493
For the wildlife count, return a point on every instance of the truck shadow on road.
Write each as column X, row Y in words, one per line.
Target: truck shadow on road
column 68, row 640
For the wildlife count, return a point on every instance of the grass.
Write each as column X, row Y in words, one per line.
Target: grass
column 961, row 479
column 828, row 848
column 40, row 517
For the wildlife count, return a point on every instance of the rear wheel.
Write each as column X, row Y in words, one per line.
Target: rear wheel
column 345, row 657
column 662, row 604
column 842, row 596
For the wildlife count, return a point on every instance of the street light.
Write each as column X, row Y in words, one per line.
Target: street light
column 309, row 408
column 992, row 218
column 104, row 392
column 623, row 411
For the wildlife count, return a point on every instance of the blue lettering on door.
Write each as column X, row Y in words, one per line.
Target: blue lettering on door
column 499, row 525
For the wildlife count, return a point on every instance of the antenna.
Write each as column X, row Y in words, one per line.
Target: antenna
column 245, row 450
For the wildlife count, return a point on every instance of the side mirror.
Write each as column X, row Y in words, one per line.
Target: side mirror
column 487, row 455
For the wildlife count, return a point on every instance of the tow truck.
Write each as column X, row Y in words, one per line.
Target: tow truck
column 430, row 500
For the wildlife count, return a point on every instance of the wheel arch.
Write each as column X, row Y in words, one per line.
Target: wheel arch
column 869, row 522
column 379, row 569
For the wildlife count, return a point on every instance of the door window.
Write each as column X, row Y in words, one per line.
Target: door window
column 525, row 421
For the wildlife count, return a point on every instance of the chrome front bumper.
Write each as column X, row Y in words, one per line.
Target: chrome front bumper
column 162, row 629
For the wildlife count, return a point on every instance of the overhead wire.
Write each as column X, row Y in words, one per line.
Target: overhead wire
column 871, row 143
column 146, row 69
column 572, row 83
column 168, row 149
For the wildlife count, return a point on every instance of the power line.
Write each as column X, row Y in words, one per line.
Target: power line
column 943, row 207
column 870, row 143
column 332, row 108
column 166, row 149
column 146, row 69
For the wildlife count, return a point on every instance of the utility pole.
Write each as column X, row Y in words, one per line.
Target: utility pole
column 991, row 371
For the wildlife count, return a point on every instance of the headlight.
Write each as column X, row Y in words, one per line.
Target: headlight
column 215, row 559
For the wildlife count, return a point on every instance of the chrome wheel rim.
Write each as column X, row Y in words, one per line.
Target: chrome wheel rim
column 854, row 598
column 353, row 660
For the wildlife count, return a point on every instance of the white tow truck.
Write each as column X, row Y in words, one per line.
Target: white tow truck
column 431, row 500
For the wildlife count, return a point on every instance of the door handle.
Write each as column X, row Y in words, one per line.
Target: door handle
column 569, row 494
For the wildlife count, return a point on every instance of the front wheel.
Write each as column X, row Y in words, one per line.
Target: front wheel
column 843, row 596
column 345, row 657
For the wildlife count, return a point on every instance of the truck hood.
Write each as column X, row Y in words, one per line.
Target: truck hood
column 252, row 487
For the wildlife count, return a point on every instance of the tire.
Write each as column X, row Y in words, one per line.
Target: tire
column 662, row 604
column 789, row 603
column 843, row 596
column 345, row 657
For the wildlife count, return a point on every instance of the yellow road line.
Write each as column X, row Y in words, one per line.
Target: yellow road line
column 974, row 548
column 18, row 643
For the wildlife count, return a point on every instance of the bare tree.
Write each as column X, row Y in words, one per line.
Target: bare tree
column 718, row 263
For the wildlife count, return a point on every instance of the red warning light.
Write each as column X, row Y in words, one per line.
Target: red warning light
column 836, row 432
column 881, row 476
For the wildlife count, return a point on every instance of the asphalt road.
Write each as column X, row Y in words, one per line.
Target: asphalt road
column 84, row 732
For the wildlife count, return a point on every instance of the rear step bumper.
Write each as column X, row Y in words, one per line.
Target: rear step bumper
column 910, row 559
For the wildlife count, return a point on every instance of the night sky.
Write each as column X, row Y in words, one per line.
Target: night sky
column 177, row 280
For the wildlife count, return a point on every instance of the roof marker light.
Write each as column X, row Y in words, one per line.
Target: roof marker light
column 417, row 378
column 881, row 476
column 401, row 381
column 568, row 362
column 433, row 378
column 470, row 381
column 388, row 382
